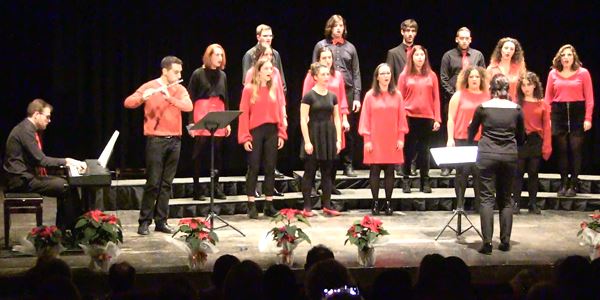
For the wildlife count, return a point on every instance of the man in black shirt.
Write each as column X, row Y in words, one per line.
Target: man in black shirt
column 25, row 163
column 454, row 61
column 264, row 34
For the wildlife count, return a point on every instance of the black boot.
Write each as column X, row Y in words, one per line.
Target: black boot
column 197, row 195
column 219, row 194
column 252, row 212
column 533, row 208
column 388, row 208
column 269, row 210
column 571, row 190
column 516, row 208
column 486, row 249
column 406, row 185
column 375, row 208
column 425, row 185
column 349, row 171
column 562, row 190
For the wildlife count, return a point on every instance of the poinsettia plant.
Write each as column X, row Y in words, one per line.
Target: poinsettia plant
column 98, row 228
column 196, row 231
column 593, row 225
column 590, row 235
column 44, row 237
column 289, row 235
column 363, row 233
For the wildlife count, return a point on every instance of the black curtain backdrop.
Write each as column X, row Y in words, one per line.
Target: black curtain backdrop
column 86, row 57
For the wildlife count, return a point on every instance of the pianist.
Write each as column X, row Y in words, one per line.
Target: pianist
column 164, row 99
column 25, row 163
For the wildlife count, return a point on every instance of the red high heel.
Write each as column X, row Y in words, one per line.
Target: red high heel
column 331, row 212
column 307, row 213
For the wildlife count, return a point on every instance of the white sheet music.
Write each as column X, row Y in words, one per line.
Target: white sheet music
column 103, row 159
column 454, row 155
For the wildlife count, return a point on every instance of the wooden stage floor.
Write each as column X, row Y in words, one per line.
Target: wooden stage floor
column 537, row 240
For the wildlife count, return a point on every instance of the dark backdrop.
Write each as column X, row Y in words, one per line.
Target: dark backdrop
column 85, row 57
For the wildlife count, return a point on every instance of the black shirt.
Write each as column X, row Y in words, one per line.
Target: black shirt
column 396, row 59
column 452, row 65
column 503, row 129
column 345, row 60
column 205, row 83
column 23, row 153
column 248, row 62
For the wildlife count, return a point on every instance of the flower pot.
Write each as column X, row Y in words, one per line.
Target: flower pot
column 286, row 257
column 197, row 259
column 101, row 256
column 366, row 257
column 594, row 252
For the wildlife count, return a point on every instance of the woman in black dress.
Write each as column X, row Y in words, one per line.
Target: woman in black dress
column 322, row 137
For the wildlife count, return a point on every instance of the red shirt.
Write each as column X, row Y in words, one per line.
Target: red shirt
column 577, row 87
column 537, row 120
column 162, row 116
column 336, row 85
column 467, row 103
column 421, row 95
column 276, row 81
column 265, row 110
column 513, row 77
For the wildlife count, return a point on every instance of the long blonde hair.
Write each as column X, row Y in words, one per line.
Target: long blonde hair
column 256, row 81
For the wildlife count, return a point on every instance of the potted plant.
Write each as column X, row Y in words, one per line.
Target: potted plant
column 288, row 236
column 364, row 234
column 199, row 240
column 98, row 234
column 42, row 241
column 590, row 234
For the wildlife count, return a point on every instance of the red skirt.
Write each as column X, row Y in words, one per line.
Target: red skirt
column 201, row 108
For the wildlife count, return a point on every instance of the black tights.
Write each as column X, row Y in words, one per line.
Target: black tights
column 388, row 183
column 532, row 167
column 569, row 148
column 310, row 169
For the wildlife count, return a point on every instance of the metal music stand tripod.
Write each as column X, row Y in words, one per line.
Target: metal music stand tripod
column 211, row 122
column 448, row 157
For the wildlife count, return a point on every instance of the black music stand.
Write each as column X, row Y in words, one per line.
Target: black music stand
column 455, row 157
column 211, row 122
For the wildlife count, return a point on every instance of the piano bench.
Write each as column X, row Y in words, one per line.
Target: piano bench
column 21, row 203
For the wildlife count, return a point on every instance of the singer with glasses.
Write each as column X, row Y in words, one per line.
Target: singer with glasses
column 164, row 99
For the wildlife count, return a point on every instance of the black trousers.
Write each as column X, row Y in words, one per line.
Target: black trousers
column 388, row 181
column 530, row 156
column 68, row 205
column 353, row 140
column 496, row 177
column 264, row 149
column 462, row 179
column 162, row 156
column 418, row 141
column 310, row 169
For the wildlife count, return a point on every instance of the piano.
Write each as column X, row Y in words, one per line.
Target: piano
column 96, row 174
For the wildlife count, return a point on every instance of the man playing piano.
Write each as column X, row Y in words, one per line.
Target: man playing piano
column 164, row 99
column 25, row 164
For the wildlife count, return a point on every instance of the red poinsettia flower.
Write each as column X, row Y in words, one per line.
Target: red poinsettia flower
column 371, row 223
column 96, row 215
column 595, row 216
column 289, row 213
column 584, row 225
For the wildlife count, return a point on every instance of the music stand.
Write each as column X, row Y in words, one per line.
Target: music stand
column 454, row 157
column 212, row 121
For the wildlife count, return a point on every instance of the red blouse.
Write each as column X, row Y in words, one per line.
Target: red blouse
column 577, row 87
column 537, row 120
column 467, row 103
column 265, row 110
column 421, row 95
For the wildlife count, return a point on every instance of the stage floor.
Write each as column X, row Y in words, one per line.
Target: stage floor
column 537, row 240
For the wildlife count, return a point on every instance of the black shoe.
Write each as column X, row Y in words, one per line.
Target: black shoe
column 486, row 249
column 504, row 247
column 196, row 194
column 563, row 188
column 335, row 191
column 516, row 208
column 257, row 193
column 534, row 209
column 219, row 194
column 406, row 185
column 426, row 185
column 446, row 172
column 164, row 227
column 399, row 171
column 413, row 169
column 388, row 208
column 349, row 171
column 269, row 210
column 314, row 193
column 277, row 193
column 252, row 212
column 199, row 197
column 278, row 174
column 571, row 192
column 143, row 229
column 375, row 208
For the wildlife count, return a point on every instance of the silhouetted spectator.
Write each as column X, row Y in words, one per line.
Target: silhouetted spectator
column 244, row 281
column 458, row 279
column 542, row 291
column 316, row 254
column 572, row 277
column 523, row 282
column 430, row 283
column 220, row 269
column 44, row 269
column 392, row 284
column 57, row 287
column 280, row 283
column 326, row 274
column 178, row 288
column 121, row 278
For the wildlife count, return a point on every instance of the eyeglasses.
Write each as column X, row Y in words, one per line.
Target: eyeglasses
column 47, row 116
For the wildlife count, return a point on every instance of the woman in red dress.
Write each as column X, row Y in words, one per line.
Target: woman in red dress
column 383, row 126
column 508, row 58
column 208, row 90
column 570, row 93
column 337, row 86
column 471, row 91
column 536, row 116
column 262, row 131
column 420, row 89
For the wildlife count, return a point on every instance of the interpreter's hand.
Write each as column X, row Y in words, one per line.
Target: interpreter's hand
column 79, row 165
column 345, row 125
column 369, row 147
column 280, row 143
column 546, row 154
column 355, row 106
column 308, row 148
column 228, row 130
column 147, row 93
column 450, row 143
column 399, row 145
column 165, row 90
column 338, row 146
column 587, row 125
column 436, row 126
column 248, row 146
